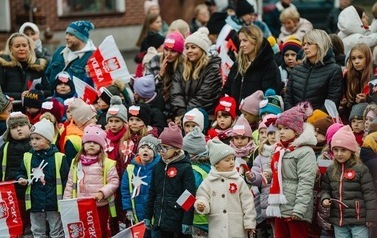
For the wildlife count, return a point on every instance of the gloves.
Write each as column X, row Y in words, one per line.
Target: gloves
column 147, row 223
column 130, row 215
column 186, row 229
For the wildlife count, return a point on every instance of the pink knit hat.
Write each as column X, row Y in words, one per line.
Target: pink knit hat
column 227, row 104
column 332, row 130
column 251, row 103
column 344, row 138
column 242, row 127
column 96, row 134
column 175, row 41
column 172, row 136
column 295, row 117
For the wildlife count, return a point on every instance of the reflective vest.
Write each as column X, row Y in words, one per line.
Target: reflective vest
column 5, row 160
column 75, row 140
column 200, row 219
column 59, row 187
column 130, row 171
column 107, row 165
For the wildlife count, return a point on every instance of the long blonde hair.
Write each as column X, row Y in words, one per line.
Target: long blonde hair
column 192, row 70
column 8, row 48
column 171, row 68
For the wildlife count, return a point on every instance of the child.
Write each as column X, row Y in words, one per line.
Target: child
column 249, row 107
column 293, row 25
column 320, row 127
column 53, row 110
column 193, row 118
column 271, row 104
column 93, row 174
column 170, row 178
column 44, row 170
column 224, row 196
column 6, row 107
column 134, row 196
column 370, row 113
column 356, row 120
column 32, row 103
column 294, row 169
column 195, row 144
column 225, row 114
column 348, row 190
column 64, row 87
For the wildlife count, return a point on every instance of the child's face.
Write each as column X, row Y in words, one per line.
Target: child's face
column 271, row 138
column 290, row 58
column 135, row 124
column 146, row 154
column 63, row 88
column 20, row 132
column 39, row 142
column 224, row 121
column 102, row 104
column 68, row 114
column 368, row 120
column 226, row 164
column 250, row 117
column 262, row 134
column 188, row 126
column 358, row 60
column 357, row 125
column 167, row 151
column 240, row 141
column 92, row 148
column 32, row 110
column 115, row 124
column 7, row 111
column 320, row 138
column 341, row 154
column 286, row 134
column 289, row 25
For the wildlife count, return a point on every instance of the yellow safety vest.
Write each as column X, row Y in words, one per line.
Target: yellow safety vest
column 200, row 219
column 5, row 160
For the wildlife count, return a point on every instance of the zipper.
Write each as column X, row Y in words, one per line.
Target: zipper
column 163, row 195
column 340, row 196
column 240, row 97
column 357, row 207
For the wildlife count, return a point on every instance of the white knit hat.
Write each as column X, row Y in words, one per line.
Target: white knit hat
column 200, row 38
column 44, row 128
column 117, row 109
column 196, row 116
column 218, row 150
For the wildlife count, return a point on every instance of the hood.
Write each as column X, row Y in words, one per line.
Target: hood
column 39, row 65
column 216, row 175
column 307, row 137
column 265, row 55
column 349, row 22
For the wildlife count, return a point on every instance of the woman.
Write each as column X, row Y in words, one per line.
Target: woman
column 20, row 69
column 318, row 77
column 255, row 68
column 200, row 83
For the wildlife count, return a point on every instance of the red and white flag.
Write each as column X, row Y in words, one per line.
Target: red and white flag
column 323, row 164
column 10, row 217
column 80, row 218
column 84, row 91
column 186, row 200
column 135, row 231
column 107, row 64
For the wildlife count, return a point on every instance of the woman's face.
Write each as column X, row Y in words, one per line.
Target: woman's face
column 20, row 48
column 310, row 50
column 358, row 60
column 193, row 52
column 247, row 46
column 156, row 25
column 170, row 55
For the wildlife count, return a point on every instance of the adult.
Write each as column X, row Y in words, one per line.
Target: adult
column 31, row 30
column 201, row 17
column 74, row 56
column 255, row 68
column 272, row 18
column 318, row 77
column 332, row 19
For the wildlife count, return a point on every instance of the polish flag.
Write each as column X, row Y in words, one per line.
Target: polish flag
column 186, row 200
column 135, row 231
column 80, row 218
column 241, row 163
column 107, row 64
column 323, row 164
column 84, row 91
column 10, row 217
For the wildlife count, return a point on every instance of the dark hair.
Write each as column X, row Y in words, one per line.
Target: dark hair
column 337, row 44
column 360, row 11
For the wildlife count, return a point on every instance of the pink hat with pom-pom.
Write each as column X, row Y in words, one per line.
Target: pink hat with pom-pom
column 295, row 117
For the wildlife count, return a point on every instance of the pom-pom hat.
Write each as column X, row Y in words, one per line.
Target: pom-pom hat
column 96, row 134
column 295, row 117
column 117, row 109
column 200, row 38
column 227, row 104
column 251, row 103
column 80, row 29
column 271, row 104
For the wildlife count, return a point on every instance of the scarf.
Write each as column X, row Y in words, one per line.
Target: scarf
column 88, row 159
column 243, row 151
column 276, row 196
column 113, row 143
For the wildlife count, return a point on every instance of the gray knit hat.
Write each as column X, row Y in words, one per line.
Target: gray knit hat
column 194, row 142
column 151, row 141
column 357, row 111
column 117, row 109
column 218, row 150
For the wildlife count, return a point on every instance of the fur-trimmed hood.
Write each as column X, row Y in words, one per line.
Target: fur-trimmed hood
column 6, row 61
column 307, row 137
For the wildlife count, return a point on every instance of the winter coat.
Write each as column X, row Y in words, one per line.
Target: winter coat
column 299, row 169
column 168, row 182
column 229, row 213
column 314, row 83
column 351, row 31
column 272, row 18
column 203, row 92
column 368, row 155
column 72, row 141
column 353, row 186
column 92, row 182
column 262, row 74
column 141, row 199
column 43, row 196
column 303, row 27
column 17, row 77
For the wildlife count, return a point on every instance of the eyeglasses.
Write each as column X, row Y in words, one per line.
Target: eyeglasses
column 164, row 148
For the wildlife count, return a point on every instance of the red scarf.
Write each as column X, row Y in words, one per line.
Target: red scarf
column 113, row 143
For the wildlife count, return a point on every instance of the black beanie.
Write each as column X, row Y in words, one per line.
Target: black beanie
column 243, row 7
column 34, row 99
column 109, row 91
column 216, row 22
column 152, row 39
column 141, row 111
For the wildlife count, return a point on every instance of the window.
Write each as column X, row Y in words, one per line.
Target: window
column 90, row 7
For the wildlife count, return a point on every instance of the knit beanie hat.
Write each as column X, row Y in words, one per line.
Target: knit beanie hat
column 332, row 130
column 243, row 7
column 151, row 52
column 295, row 117
column 64, row 77
column 55, row 107
column 196, row 116
column 218, row 150
column 153, row 39
column 151, row 141
column 80, row 29
column 242, row 127
column 292, row 43
column 317, row 114
column 271, row 104
column 227, row 104
column 357, row 111
column 344, row 138
column 251, row 103
column 172, row 136
column 175, row 41
column 200, row 38
column 148, row 5
column 145, row 86
column 44, row 128
column 28, row 25
column 216, row 22
column 34, row 98
column 194, row 142
column 96, row 134
column 4, row 102
column 117, row 109
column 266, row 120
column 81, row 112
column 15, row 119
column 322, row 125
column 141, row 111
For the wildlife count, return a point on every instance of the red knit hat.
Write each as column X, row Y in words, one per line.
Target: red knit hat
column 227, row 104
column 55, row 107
column 172, row 136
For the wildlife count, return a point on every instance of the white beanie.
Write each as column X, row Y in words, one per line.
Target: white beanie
column 200, row 38
column 44, row 128
column 196, row 116
column 218, row 150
